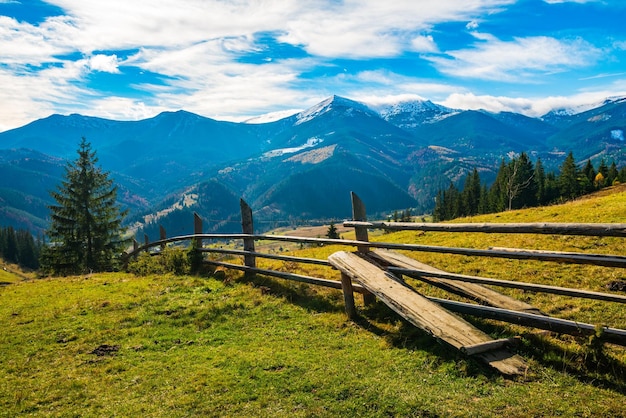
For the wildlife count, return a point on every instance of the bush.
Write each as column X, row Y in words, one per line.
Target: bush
column 170, row 260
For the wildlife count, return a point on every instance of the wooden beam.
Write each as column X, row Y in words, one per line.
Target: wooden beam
column 266, row 255
column 334, row 284
column 582, row 229
column 470, row 290
column 564, row 291
column 563, row 326
column 423, row 313
column 471, row 350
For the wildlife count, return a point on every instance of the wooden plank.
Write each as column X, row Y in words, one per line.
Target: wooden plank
column 564, row 291
column 267, row 255
column 562, row 326
column 581, row 229
column 423, row 313
column 471, row 290
column 471, row 350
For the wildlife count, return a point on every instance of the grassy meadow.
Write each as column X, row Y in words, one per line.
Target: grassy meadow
column 116, row 344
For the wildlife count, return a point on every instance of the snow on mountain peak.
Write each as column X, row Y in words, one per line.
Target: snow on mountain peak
column 414, row 106
column 414, row 112
column 332, row 102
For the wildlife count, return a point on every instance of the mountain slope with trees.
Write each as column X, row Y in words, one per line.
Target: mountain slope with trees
column 414, row 148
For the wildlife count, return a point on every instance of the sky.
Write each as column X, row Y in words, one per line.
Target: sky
column 236, row 59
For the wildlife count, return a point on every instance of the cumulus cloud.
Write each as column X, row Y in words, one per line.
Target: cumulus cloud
column 493, row 59
column 424, row 44
column 194, row 52
column 104, row 63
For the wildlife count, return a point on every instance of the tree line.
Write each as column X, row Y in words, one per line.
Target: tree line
column 19, row 247
column 520, row 183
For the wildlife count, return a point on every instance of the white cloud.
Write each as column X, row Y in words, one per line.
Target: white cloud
column 516, row 60
column 532, row 107
column 196, row 46
column 104, row 63
column 473, row 25
column 424, row 44
column 571, row 1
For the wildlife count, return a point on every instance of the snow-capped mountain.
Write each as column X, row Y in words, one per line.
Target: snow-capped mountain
column 408, row 115
column 333, row 102
column 300, row 166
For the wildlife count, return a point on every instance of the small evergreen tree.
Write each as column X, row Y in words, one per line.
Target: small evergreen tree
column 540, row 182
column 568, row 178
column 612, row 175
column 589, row 173
column 86, row 226
column 332, row 232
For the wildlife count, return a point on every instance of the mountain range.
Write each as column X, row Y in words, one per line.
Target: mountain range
column 298, row 168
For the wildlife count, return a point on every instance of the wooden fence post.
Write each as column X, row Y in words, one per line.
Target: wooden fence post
column 197, row 229
column 247, row 227
column 146, row 240
column 135, row 244
column 348, row 296
column 162, row 236
column 359, row 214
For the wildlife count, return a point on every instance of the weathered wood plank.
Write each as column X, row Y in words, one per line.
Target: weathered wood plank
column 533, row 287
column 423, row 313
column 551, row 228
column 562, row 326
column 471, row 290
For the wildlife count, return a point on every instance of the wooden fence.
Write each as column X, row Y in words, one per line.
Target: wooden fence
column 362, row 244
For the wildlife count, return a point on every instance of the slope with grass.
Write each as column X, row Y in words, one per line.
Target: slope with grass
column 116, row 344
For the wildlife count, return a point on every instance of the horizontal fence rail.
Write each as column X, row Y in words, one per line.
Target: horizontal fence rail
column 581, row 229
column 555, row 256
column 511, row 284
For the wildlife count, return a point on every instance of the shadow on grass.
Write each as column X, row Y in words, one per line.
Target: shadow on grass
column 405, row 336
column 299, row 294
column 590, row 365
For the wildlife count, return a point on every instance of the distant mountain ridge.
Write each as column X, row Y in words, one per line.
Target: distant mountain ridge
column 302, row 166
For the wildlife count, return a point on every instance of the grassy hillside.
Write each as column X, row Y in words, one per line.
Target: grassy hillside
column 119, row 345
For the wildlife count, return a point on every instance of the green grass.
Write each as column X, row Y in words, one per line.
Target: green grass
column 189, row 346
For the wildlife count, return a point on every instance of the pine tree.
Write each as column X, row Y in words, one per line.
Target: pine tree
column 612, row 175
column 332, row 231
column 497, row 192
column 568, row 178
column 540, row 182
column 471, row 193
column 589, row 177
column 86, row 226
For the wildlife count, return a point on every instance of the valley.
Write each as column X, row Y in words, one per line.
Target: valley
column 296, row 169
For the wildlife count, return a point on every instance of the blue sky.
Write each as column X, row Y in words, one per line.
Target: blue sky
column 235, row 59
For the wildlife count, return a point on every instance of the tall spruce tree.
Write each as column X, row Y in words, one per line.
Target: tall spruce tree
column 86, row 223
column 568, row 178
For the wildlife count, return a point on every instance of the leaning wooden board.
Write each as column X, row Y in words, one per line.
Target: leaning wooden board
column 471, row 290
column 423, row 313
